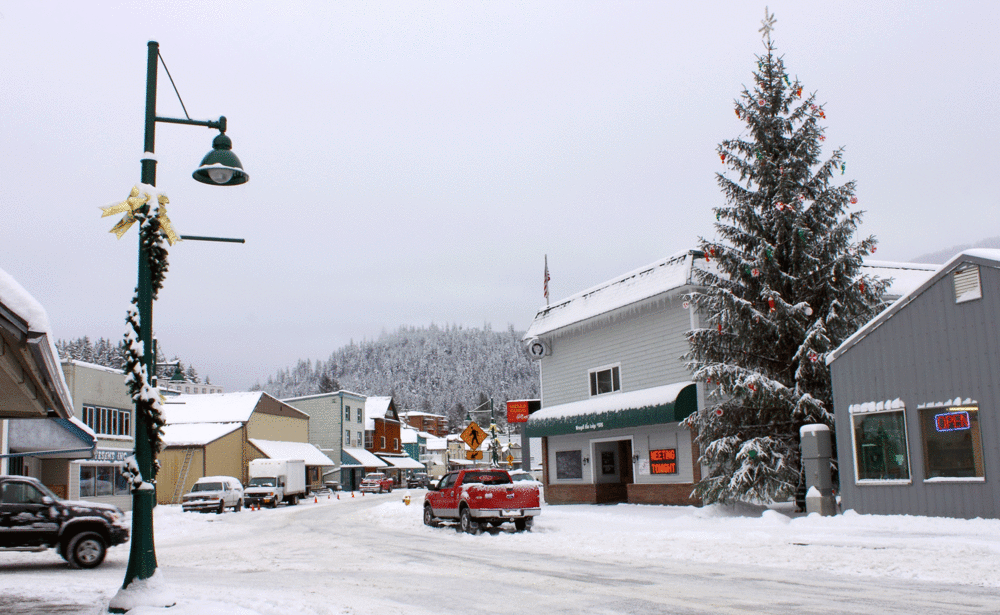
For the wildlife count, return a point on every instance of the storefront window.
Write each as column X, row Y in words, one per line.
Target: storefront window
column 96, row 481
column 569, row 465
column 952, row 445
column 880, row 446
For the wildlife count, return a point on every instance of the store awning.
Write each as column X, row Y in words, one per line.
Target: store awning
column 655, row 406
column 361, row 458
column 402, row 463
column 308, row 453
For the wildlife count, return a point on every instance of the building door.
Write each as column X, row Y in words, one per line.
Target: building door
column 613, row 471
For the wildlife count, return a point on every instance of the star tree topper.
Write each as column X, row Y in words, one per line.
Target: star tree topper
column 767, row 24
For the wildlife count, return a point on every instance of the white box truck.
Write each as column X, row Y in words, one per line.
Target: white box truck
column 275, row 480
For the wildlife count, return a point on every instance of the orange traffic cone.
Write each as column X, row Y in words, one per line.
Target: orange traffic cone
column 338, row 496
column 315, row 500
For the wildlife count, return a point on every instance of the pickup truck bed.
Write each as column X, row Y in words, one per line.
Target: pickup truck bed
column 474, row 497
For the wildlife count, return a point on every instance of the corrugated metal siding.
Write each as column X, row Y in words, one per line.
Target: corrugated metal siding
column 931, row 351
column 647, row 340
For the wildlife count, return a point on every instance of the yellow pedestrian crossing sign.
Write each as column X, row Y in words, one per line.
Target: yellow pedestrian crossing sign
column 473, row 436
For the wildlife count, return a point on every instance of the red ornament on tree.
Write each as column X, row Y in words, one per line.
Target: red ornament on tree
column 854, row 200
column 720, row 327
column 718, row 412
column 723, row 156
column 813, row 356
column 873, row 249
column 755, row 272
column 752, row 387
column 861, row 286
column 760, row 102
column 798, row 92
column 770, row 303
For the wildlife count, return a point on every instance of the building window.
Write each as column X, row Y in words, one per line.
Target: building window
column 97, row 481
column 360, row 415
column 369, row 439
column 359, row 438
column 108, row 421
column 395, row 444
column 569, row 465
column 880, row 445
column 605, row 380
column 951, row 441
column 347, row 413
column 347, row 437
column 382, row 447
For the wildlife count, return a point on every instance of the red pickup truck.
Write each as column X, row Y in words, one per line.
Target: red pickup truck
column 482, row 496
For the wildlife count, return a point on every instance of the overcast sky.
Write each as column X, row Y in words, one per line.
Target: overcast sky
column 413, row 163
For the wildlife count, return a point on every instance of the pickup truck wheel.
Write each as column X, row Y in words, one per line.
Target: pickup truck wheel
column 380, row 488
column 429, row 517
column 86, row 550
column 520, row 524
column 390, row 488
column 466, row 523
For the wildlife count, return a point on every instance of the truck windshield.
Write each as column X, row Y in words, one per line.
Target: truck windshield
column 262, row 481
column 486, row 478
column 207, row 487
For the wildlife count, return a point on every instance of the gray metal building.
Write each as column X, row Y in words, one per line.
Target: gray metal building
column 916, row 393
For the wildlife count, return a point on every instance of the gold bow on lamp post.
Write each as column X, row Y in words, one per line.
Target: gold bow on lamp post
column 129, row 206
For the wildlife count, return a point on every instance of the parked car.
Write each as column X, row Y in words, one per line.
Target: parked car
column 214, row 494
column 418, row 479
column 376, row 482
column 32, row 518
column 519, row 475
column 474, row 497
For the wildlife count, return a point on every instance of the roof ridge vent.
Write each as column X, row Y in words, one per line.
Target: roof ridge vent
column 967, row 286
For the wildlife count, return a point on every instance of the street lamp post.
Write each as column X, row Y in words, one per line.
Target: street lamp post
column 219, row 167
column 493, row 431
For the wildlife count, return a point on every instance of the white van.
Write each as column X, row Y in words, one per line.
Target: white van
column 214, row 494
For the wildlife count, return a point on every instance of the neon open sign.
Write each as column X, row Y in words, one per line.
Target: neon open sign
column 951, row 421
column 663, row 461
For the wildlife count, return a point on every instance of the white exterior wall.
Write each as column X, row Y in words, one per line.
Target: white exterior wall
column 643, row 439
column 646, row 340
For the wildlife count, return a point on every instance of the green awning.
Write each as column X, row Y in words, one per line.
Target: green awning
column 656, row 406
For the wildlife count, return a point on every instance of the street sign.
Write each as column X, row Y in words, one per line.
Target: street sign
column 473, row 436
column 517, row 411
column 476, row 454
column 510, row 459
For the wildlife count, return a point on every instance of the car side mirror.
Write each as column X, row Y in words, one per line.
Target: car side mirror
column 47, row 500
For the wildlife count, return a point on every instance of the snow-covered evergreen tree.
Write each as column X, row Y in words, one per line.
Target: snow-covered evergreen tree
column 784, row 289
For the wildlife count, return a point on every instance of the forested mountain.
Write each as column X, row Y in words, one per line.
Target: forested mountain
column 441, row 370
column 103, row 352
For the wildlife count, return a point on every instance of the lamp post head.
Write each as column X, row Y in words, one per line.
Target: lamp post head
column 221, row 167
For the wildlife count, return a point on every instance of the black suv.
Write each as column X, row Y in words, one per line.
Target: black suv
column 32, row 518
column 418, row 479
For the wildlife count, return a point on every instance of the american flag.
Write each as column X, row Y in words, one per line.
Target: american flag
column 546, row 284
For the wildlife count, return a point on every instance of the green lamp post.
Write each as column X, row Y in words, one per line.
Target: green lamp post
column 220, row 167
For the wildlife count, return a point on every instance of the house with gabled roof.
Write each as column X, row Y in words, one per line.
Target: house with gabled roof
column 916, row 398
column 614, row 386
column 210, row 435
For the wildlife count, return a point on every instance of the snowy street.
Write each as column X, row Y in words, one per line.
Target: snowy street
column 373, row 554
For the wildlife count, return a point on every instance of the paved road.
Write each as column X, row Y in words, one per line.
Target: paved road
column 358, row 557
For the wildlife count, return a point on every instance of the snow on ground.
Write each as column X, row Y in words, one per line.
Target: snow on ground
column 374, row 555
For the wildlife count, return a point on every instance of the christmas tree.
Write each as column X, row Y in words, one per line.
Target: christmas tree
column 783, row 288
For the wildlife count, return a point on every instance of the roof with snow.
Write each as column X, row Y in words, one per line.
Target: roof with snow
column 378, row 408
column 217, row 408
column 435, row 444
column 404, row 462
column 665, row 275
column 653, row 406
column 322, row 395
column 675, row 274
column 362, row 458
column 275, row 449
column 408, row 435
column 25, row 326
column 980, row 256
column 196, row 434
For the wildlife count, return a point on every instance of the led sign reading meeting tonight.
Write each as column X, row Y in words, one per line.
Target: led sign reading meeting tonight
column 951, row 421
column 663, row 461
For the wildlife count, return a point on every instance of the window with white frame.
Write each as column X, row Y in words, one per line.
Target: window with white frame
column 347, row 413
column 952, row 445
column 347, row 437
column 395, row 444
column 880, row 444
column 383, row 443
column 108, row 421
column 96, row 481
column 359, row 439
column 605, row 380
